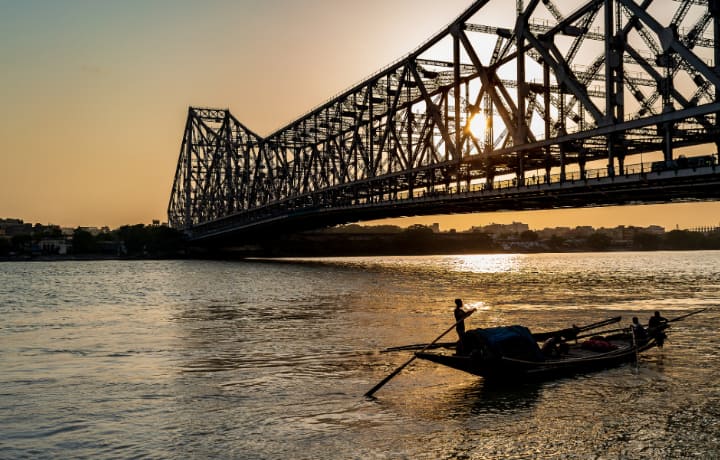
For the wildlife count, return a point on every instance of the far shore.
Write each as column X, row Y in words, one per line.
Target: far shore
column 235, row 255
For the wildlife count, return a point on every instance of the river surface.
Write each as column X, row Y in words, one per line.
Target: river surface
column 269, row 359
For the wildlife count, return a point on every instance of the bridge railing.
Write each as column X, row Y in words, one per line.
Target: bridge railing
column 568, row 177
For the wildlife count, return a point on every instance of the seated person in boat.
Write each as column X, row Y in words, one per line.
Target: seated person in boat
column 570, row 333
column 637, row 329
column 554, row 346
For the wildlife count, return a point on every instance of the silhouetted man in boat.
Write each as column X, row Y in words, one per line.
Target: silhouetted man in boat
column 551, row 347
column 460, row 315
column 637, row 330
column 656, row 320
column 655, row 329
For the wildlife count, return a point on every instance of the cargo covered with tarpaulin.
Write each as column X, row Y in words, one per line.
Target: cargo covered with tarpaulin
column 507, row 341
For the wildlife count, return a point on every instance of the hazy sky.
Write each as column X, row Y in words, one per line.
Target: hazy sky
column 94, row 95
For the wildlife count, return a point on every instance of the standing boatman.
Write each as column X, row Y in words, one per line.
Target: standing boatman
column 460, row 315
column 655, row 328
column 656, row 320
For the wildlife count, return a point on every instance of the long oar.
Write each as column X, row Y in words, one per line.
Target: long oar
column 571, row 332
column 420, row 346
column 600, row 324
column 397, row 371
column 585, row 336
column 687, row 314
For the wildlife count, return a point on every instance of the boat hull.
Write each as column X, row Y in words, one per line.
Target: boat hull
column 504, row 368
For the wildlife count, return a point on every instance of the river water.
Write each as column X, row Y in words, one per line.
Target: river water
column 269, row 359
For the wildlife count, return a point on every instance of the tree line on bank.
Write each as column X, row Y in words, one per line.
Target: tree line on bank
column 641, row 241
column 419, row 239
column 164, row 242
column 126, row 241
column 595, row 240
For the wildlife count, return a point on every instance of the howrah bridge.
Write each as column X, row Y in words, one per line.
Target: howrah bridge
column 558, row 103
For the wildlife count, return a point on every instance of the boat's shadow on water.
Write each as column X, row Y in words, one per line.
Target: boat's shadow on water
column 484, row 397
column 504, row 398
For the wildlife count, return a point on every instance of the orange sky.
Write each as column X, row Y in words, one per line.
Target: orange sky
column 95, row 96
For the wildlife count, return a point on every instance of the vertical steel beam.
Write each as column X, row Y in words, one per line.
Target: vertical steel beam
column 562, row 130
column 714, row 6
column 547, row 120
column 520, row 25
column 230, row 154
column 609, row 86
column 456, row 91
column 618, row 50
column 619, row 39
column 609, row 64
column 371, row 129
column 188, row 169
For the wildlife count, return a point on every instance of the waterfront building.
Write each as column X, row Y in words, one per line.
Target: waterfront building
column 58, row 246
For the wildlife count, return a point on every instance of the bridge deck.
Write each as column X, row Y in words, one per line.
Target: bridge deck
column 638, row 186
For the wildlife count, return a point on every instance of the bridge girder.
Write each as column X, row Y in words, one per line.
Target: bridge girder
column 559, row 84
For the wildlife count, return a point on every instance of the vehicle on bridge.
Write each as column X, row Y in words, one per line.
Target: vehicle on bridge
column 683, row 162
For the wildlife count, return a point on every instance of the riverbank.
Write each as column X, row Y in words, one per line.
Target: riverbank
column 422, row 241
column 83, row 258
column 413, row 241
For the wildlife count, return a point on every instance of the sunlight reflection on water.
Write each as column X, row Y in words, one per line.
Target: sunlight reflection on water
column 494, row 263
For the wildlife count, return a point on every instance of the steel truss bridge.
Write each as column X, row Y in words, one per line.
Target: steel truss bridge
column 558, row 103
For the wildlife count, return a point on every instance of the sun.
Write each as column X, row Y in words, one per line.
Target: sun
column 477, row 125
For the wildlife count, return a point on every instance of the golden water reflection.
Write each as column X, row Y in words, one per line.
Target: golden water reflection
column 488, row 263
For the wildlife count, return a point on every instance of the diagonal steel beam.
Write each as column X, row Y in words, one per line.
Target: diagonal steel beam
column 565, row 76
column 434, row 112
column 668, row 37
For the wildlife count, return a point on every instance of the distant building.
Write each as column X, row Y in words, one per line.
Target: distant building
column 94, row 231
column 435, row 227
column 12, row 227
column 59, row 246
column 655, row 230
column 499, row 229
column 705, row 230
column 583, row 231
column 547, row 233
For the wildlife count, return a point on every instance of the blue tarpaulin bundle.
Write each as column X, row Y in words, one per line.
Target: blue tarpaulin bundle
column 508, row 341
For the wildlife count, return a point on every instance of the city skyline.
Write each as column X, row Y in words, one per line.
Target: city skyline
column 96, row 95
column 483, row 219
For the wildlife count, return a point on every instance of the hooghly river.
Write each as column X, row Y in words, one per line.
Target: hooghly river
column 269, row 359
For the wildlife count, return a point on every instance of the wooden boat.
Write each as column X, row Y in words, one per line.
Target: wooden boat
column 514, row 353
